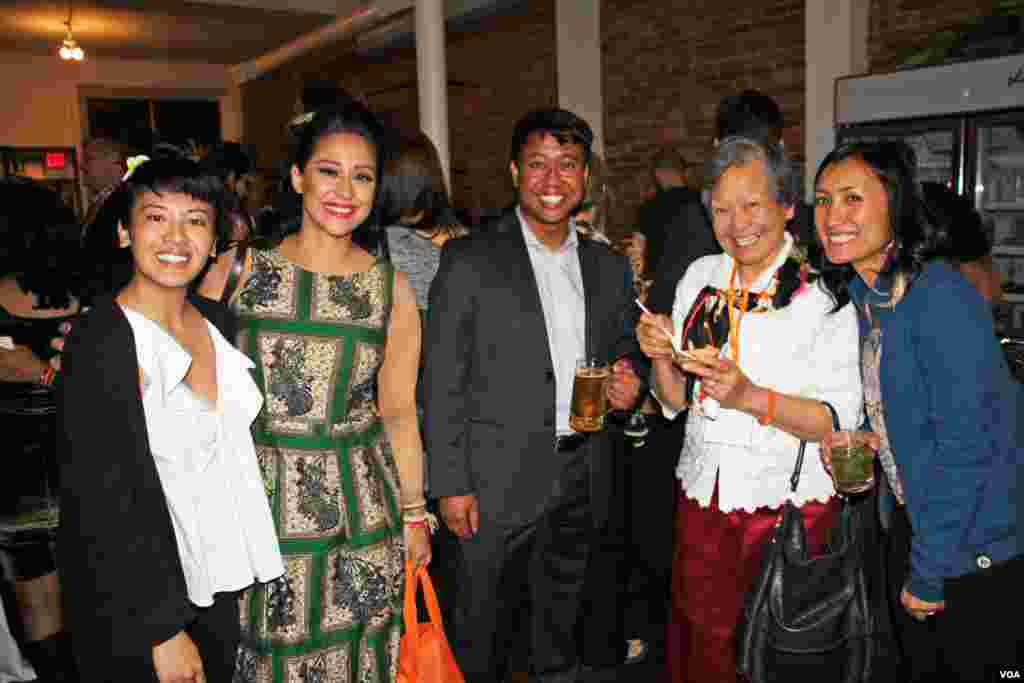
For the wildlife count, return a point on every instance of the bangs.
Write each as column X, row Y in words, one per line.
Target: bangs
column 204, row 188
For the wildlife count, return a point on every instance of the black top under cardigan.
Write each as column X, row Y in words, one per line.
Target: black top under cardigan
column 123, row 584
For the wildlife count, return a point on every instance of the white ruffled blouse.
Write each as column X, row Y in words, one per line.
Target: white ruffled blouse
column 207, row 463
column 800, row 350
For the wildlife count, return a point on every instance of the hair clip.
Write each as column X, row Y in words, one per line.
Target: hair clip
column 133, row 163
column 302, row 119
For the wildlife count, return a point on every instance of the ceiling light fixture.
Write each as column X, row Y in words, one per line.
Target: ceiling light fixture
column 69, row 49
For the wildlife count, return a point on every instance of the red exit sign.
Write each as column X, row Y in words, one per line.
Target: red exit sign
column 56, row 161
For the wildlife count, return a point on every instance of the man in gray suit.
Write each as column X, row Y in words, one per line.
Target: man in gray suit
column 512, row 308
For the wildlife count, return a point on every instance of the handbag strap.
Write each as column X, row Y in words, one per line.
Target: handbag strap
column 416, row 578
column 795, row 479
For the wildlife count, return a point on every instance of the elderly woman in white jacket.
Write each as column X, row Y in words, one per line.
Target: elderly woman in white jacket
column 771, row 344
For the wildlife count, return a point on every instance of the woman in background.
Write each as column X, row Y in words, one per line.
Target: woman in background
column 944, row 416
column 418, row 215
column 229, row 162
column 38, row 293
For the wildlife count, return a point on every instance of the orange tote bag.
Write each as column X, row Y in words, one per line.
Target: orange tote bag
column 424, row 654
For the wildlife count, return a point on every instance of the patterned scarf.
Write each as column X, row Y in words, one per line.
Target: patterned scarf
column 709, row 321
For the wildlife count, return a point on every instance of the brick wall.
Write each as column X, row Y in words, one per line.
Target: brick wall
column 496, row 72
column 668, row 62
column 666, row 65
column 899, row 26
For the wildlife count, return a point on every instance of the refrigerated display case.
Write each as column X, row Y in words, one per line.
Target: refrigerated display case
column 965, row 121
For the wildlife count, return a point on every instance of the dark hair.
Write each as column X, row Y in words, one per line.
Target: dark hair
column 225, row 159
column 321, row 94
column 917, row 238
column 344, row 117
column 968, row 239
column 39, row 246
column 413, row 181
column 563, row 125
column 751, row 114
column 176, row 175
column 111, row 266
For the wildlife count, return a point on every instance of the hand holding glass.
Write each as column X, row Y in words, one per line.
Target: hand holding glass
column 850, row 456
column 589, row 397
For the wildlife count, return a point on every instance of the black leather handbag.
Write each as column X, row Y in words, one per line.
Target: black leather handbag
column 809, row 615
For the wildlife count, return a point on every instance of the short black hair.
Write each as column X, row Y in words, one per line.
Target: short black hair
column 563, row 125
column 39, row 242
column 178, row 175
column 751, row 114
column 227, row 158
column 111, row 267
column 322, row 94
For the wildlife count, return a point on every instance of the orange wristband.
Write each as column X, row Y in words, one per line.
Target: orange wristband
column 769, row 417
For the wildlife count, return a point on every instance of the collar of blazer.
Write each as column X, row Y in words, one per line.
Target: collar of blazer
column 590, row 268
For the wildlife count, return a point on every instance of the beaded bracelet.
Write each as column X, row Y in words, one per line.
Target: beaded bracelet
column 427, row 521
column 47, row 375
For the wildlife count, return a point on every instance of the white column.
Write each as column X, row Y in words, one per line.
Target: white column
column 578, row 37
column 432, row 77
column 231, row 114
column 836, row 34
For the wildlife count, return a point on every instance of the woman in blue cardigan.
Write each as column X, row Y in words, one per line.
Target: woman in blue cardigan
column 943, row 412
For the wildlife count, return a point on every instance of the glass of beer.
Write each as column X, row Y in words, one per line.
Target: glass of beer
column 589, row 401
column 852, row 459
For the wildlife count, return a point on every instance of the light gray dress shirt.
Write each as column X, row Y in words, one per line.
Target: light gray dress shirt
column 560, row 284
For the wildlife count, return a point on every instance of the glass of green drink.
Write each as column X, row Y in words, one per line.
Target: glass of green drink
column 852, row 460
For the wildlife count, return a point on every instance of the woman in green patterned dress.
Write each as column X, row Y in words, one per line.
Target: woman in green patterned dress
column 335, row 337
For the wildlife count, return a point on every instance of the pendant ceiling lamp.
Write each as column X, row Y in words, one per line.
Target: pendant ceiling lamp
column 69, row 49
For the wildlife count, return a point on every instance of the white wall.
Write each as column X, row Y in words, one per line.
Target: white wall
column 42, row 106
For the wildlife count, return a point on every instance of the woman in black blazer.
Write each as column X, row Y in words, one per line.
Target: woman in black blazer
column 139, row 604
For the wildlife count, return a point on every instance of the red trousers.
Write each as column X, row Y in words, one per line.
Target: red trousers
column 717, row 557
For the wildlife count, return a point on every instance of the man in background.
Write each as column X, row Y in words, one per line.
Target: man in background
column 750, row 114
column 103, row 164
column 665, row 211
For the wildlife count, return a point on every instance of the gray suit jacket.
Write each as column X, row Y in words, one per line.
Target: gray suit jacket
column 489, row 383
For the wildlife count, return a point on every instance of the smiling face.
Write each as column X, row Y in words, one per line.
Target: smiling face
column 337, row 184
column 171, row 236
column 851, row 213
column 748, row 219
column 551, row 179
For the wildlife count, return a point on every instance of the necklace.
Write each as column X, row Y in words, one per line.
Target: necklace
column 735, row 313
